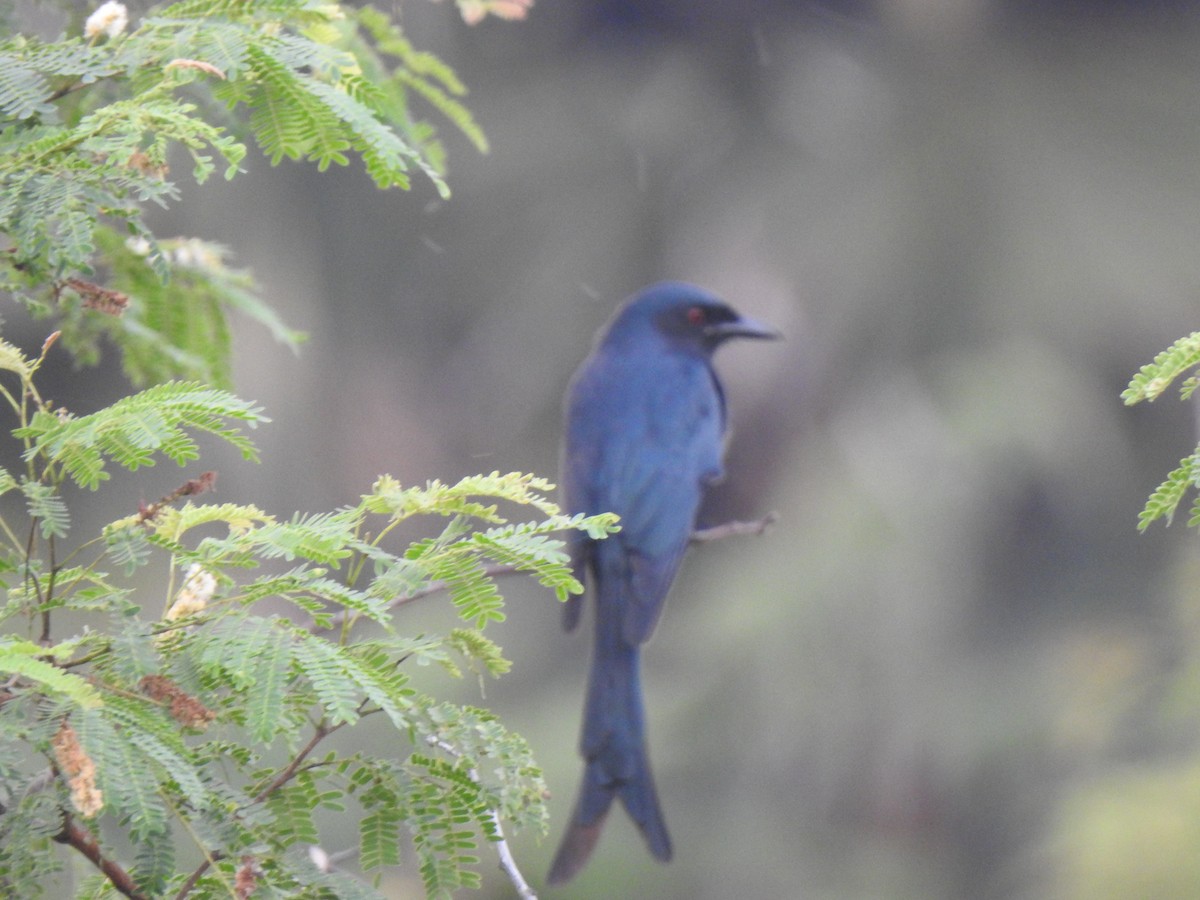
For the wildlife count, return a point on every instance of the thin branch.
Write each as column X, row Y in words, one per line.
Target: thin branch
column 434, row 587
column 49, row 593
column 285, row 775
column 508, row 864
column 82, row 840
column 734, row 529
column 289, row 771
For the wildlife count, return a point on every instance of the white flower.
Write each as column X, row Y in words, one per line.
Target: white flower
column 138, row 245
column 110, row 18
column 197, row 590
column 320, row 859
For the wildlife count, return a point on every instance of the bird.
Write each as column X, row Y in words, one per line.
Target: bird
column 644, row 438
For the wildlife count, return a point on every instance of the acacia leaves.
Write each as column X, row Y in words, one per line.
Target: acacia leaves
column 89, row 129
column 194, row 717
column 1148, row 384
column 136, row 429
column 175, row 737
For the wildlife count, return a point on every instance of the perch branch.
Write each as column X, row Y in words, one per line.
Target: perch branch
column 734, row 529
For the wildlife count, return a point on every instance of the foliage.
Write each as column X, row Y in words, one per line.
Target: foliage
column 90, row 128
column 1148, row 384
column 195, row 723
column 167, row 686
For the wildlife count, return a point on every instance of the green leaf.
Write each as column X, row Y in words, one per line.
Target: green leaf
column 24, row 92
column 13, row 360
column 129, row 786
column 266, row 705
column 322, row 538
column 46, row 507
column 131, row 430
column 389, row 497
column 292, row 806
column 172, row 523
column 472, row 591
column 127, row 546
column 154, row 863
column 134, row 652
column 473, row 645
column 26, row 659
column 1168, row 495
column 156, row 737
column 332, row 675
column 379, row 837
column 1157, row 376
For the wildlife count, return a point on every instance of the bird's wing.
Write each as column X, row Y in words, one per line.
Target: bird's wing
column 655, row 529
column 645, row 452
column 662, row 483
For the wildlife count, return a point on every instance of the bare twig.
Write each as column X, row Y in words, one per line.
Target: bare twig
column 734, row 529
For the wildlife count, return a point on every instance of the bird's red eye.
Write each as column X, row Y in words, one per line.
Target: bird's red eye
column 695, row 315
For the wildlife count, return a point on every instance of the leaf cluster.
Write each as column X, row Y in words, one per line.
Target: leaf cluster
column 91, row 129
column 168, row 685
column 192, row 719
column 1151, row 381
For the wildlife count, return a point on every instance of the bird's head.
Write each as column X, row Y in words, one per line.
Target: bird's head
column 686, row 316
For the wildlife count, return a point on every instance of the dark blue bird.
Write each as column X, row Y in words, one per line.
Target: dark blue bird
column 645, row 433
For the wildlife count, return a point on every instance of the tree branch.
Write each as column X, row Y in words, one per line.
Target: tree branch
column 74, row 835
column 734, row 528
column 286, row 774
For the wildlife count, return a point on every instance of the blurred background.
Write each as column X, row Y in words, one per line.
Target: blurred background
column 954, row 669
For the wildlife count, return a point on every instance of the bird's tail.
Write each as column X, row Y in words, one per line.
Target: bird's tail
column 618, row 766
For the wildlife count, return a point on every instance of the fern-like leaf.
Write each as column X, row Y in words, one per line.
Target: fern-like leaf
column 127, row 546
column 26, row 659
column 471, row 590
column 24, row 92
column 131, row 430
column 154, row 863
column 292, row 806
column 389, row 497
column 13, row 360
column 332, row 675
column 480, row 650
column 379, row 837
column 129, row 786
column 1168, row 495
column 155, row 736
column 1157, row 376
column 265, row 707
column 46, row 507
column 322, row 538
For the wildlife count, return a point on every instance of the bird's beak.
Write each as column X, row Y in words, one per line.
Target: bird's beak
column 744, row 327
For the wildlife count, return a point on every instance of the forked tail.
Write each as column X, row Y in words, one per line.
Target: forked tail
column 614, row 747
